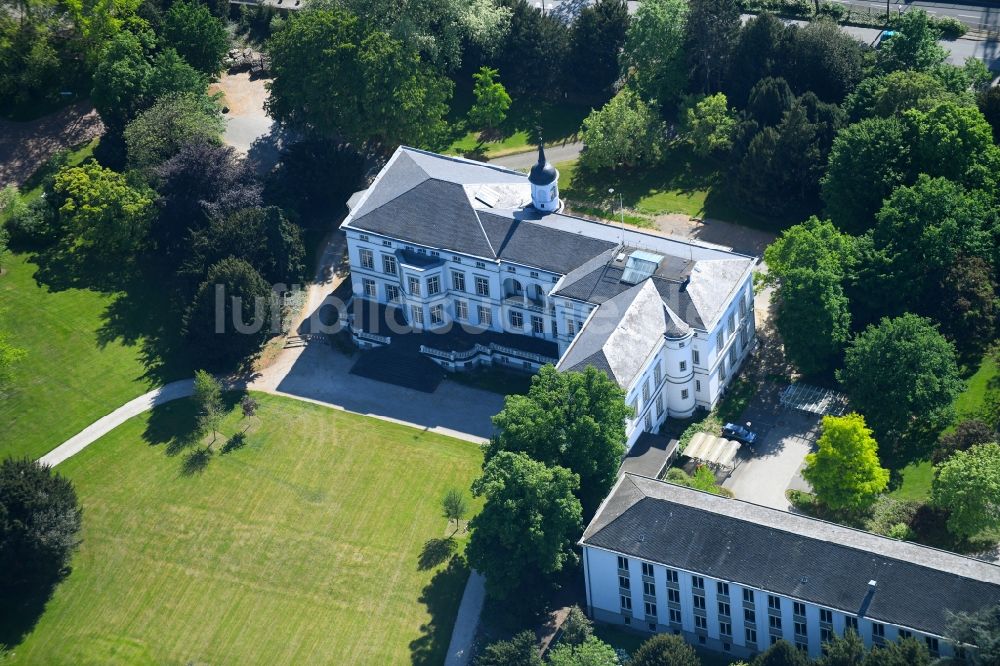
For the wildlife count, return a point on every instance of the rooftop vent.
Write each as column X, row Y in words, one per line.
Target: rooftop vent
column 488, row 196
column 640, row 265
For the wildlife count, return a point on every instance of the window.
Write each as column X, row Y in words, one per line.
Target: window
column 658, row 373
column 774, row 639
column 695, row 357
column 391, row 293
column 433, row 285
column 732, row 356
column 555, row 330
column 485, row 316
column 826, row 615
column 417, row 315
column 697, row 582
column 684, row 366
column 774, row 621
column 748, row 596
column 363, row 237
column 675, row 616
column 650, row 609
column 533, row 274
column 722, row 588
column 645, row 392
column 697, row 386
column 480, row 265
column 461, row 311
column 719, row 341
column 626, row 603
column 367, row 258
column 722, row 372
column 932, row 645
column 673, row 595
column 647, row 569
column 437, row 315
column 624, row 583
column 799, row 608
column 699, row 601
column 511, row 269
column 851, row 622
column 570, row 327
column 671, row 576
column 802, row 647
column 684, row 394
column 751, row 636
column 659, row 404
column 622, row 563
column 649, row 421
column 724, row 608
column 700, row 622
column 370, row 288
column 825, row 634
column 414, row 285
column 482, row 286
column 458, row 281
column 749, row 616
column 905, row 633
column 878, row 630
column 537, row 325
column 627, row 620
column 388, row 264
column 743, row 309
column 732, row 323
column 726, row 628
column 648, row 588
column 387, row 243
column 773, row 602
column 516, row 319
column 800, row 628
column 652, row 626
column 435, row 253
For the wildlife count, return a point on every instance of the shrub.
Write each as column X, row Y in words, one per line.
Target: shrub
column 834, row 11
column 951, row 28
column 890, row 516
column 31, row 223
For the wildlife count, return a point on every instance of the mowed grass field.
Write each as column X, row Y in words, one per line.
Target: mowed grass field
column 307, row 545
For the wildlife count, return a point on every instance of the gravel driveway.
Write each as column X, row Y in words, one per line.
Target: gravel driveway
column 25, row 146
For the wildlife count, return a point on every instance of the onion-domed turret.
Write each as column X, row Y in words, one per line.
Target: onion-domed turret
column 544, row 179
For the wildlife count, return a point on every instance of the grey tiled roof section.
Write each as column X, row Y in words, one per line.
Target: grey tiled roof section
column 620, row 335
column 434, row 213
column 791, row 555
column 524, row 241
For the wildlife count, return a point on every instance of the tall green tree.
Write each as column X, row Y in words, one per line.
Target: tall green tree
column 159, row 132
column 846, row 650
column 770, row 99
column 665, row 649
column 596, row 42
column 902, row 375
column 625, row 132
column 868, row 160
column 569, row 419
column 523, row 537
column 955, row 142
column 813, row 317
column 232, row 314
column 105, row 216
column 339, row 77
column 815, row 244
column 200, row 38
column 913, row 46
column 845, row 472
column 654, row 51
column 888, row 95
column 492, row 100
column 781, row 653
column 989, row 103
column 968, row 308
column 967, row 485
column 518, row 651
column 709, row 125
column 591, row 652
column 981, row 629
column 906, row 652
column 533, row 55
column 825, row 60
column 712, row 27
column 757, row 54
column 40, row 520
column 208, row 401
column 455, row 507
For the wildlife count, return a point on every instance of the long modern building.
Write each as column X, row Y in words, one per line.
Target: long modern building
column 737, row 577
column 480, row 264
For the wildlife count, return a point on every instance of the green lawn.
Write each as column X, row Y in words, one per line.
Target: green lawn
column 307, row 545
column 83, row 355
column 518, row 134
column 917, row 476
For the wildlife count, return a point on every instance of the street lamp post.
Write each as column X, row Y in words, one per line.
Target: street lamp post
column 621, row 210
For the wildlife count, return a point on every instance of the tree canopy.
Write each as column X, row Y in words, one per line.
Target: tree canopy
column 654, row 54
column 591, row 652
column 665, row 649
column 624, row 132
column 492, row 100
column 518, row 651
column 198, row 37
column 596, row 41
column 845, row 472
column 524, row 535
column 570, row 419
column 902, row 375
column 159, row 132
column 708, row 124
column 340, row 77
column 981, row 629
column 914, row 44
column 967, row 485
column 711, row 30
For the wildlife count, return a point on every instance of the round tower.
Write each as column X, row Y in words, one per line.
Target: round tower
column 679, row 388
column 544, row 179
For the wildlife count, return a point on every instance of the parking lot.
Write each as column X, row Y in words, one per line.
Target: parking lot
column 785, row 437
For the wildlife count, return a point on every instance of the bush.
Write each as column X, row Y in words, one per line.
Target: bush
column 891, row 517
column 836, row 12
column 30, row 224
column 951, row 28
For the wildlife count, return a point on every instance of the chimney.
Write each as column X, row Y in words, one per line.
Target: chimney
column 685, row 283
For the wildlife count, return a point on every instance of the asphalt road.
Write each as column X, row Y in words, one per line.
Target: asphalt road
column 982, row 17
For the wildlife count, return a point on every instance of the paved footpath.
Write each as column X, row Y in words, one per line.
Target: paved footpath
column 466, row 622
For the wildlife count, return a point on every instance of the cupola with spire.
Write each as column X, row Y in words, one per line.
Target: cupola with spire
column 544, row 179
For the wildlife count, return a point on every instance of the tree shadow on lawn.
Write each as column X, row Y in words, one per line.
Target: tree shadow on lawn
column 442, row 596
column 175, row 425
column 20, row 609
column 435, row 552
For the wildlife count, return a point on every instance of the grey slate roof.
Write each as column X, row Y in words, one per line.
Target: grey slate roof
column 445, row 202
column 790, row 554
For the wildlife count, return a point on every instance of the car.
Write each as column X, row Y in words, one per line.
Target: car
column 883, row 37
column 741, row 434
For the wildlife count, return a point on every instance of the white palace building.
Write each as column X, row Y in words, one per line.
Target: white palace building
column 479, row 263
